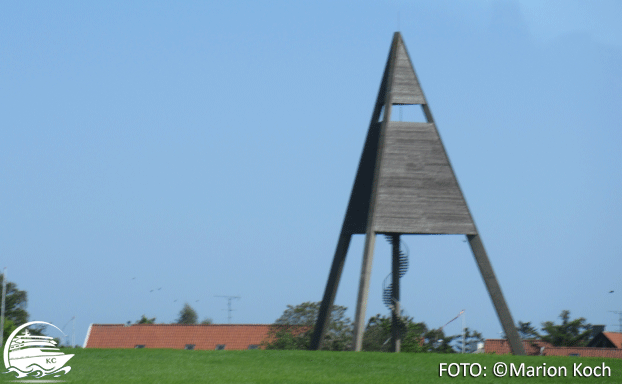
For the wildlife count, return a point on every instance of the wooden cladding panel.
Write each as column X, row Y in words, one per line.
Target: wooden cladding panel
column 405, row 88
column 417, row 191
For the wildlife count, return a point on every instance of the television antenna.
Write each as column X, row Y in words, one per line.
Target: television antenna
column 619, row 313
column 229, row 300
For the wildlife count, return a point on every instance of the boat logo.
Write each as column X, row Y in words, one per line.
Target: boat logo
column 33, row 355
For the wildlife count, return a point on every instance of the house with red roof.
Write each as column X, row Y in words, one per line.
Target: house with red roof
column 502, row 347
column 606, row 340
column 178, row 336
column 604, row 344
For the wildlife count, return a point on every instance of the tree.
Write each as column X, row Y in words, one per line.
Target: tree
column 286, row 337
column 187, row 315
column 436, row 341
column 570, row 333
column 16, row 302
column 527, row 331
column 207, row 321
column 9, row 327
column 294, row 329
column 146, row 320
column 471, row 338
column 378, row 334
column 15, row 312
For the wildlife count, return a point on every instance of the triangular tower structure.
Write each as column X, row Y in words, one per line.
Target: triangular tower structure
column 404, row 185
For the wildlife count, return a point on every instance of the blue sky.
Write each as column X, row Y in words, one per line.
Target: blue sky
column 209, row 148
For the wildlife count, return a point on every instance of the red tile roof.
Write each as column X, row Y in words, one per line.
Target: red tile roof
column 533, row 347
column 615, row 338
column 584, row 352
column 176, row 336
column 502, row 347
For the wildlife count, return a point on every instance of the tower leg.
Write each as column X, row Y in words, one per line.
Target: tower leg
column 331, row 290
column 395, row 295
column 494, row 290
column 361, row 303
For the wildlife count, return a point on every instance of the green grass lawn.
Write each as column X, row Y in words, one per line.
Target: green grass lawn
column 180, row 366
